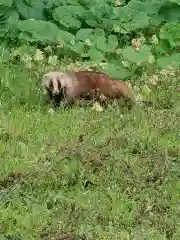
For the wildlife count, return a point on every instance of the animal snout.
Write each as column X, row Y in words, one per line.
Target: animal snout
column 55, row 92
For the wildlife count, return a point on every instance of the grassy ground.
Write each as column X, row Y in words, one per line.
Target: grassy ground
column 82, row 174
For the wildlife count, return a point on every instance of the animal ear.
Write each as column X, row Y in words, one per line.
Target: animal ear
column 45, row 82
column 130, row 84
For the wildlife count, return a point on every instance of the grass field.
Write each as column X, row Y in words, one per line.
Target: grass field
column 82, row 174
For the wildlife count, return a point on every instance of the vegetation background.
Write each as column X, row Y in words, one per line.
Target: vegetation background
column 79, row 173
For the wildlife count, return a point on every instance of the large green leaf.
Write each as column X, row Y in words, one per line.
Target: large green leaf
column 169, row 61
column 84, row 34
column 159, row 11
column 95, row 55
column 79, row 48
column 90, row 34
column 8, row 15
column 98, row 20
column 130, row 19
column 38, row 30
column 101, row 44
column 148, row 7
column 31, row 9
column 108, row 24
column 171, row 32
column 70, row 22
column 96, row 33
column 68, row 10
column 134, row 56
column 116, row 71
column 90, row 4
column 65, row 37
column 107, row 45
column 126, row 14
column 93, row 23
column 162, row 47
column 68, row 16
column 90, row 18
column 6, row 3
column 170, row 11
column 102, row 11
column 57, row 3
column 5, row 55
column 8, row 20
column 112, row 42
column 140, row 21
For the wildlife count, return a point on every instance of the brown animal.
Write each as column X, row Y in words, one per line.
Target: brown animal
column 88, row 85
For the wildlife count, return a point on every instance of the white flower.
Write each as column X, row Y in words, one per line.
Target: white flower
column 97, row 107
column 136, row 43
column 164, row 72
column 117, row 3
column 144, row 75
column 26, row 58
column 126, row 64
column 146, row 89
column 139, row 97
column 51, row 111
column 72, row 42
column 52, row 60
column 88, row 42
column 151, row 59
column 39, row 55
column 102, row 97
column 60, row 44
column 142, row 39
column 29, row 65
column 118, row 51
column 153, row 79
column 94, row 64
column 48, row 49
column 116, row 28
column 154, row 39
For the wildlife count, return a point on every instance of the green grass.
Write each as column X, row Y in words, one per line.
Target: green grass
column 109, row 175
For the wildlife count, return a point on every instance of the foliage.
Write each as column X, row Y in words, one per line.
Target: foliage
column 100, row 31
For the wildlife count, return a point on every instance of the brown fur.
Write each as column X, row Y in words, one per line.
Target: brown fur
column 73, row 86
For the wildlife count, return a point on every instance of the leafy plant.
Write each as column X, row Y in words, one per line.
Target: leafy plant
column 5, row 55
column 130, row 19
column 36, row 30
column 8, row 21
column 117, row 71
column 5, row 3
column 96, row 30
column 31, row 9
column 84, row 34
column 107, row 45
column 138, row 57
column 68, row 15
column 171, row 32
column 169, row 61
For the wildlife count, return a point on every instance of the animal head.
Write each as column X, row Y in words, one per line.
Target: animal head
column 52, row 82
